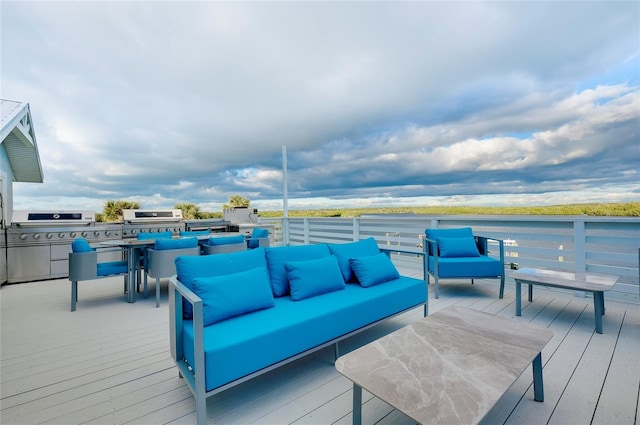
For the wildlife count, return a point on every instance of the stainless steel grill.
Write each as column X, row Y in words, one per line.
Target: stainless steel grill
column 151, row 221
column 38, row 242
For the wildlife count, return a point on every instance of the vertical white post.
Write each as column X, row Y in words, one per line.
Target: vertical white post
column 285, row 198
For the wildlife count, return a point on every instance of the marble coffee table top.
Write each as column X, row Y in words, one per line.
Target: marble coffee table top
column 583, row 281
column 448, row 368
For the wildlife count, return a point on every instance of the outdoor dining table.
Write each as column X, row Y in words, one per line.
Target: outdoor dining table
column 134, row 248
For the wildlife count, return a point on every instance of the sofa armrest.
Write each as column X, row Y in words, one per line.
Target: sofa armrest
column 177, row 293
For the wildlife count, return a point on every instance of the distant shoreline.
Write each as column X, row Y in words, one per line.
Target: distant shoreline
column 629, row 209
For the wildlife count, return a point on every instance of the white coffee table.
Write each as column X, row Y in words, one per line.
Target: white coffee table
column 588, row 282
column 448, row 368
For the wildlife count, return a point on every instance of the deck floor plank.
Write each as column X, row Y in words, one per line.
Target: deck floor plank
column 109, row 363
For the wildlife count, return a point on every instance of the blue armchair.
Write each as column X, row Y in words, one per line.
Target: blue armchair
column 259, row 238
column 457, row 253
column 84, row 265
column 223, row 245
column 160, row 260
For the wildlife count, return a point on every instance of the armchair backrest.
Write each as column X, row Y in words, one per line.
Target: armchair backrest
column 161, row 262
column 456, row 242
column 259, row 237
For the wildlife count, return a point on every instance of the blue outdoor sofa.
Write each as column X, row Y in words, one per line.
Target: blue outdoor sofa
column 235, row 316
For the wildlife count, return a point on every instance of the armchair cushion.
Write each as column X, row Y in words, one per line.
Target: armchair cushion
column 345, row 251
column 313, row 277
column 256, row 235
column 481, row 266
column 80, row 245
column 226, row 240
column 234, row 294
column 374, row 269
column 181, row 243
column 458, row 247
column 159, row 235
column 112, row 267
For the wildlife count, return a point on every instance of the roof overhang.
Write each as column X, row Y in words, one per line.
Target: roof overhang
column 18, row 139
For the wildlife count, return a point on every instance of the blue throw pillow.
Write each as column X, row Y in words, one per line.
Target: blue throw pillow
column 159, row 235
column 345, row 251
column 374, row 269
column 314, row 277
column 80, row 245
column 278, row 256
column 190, row 267
column 458, row 247
column 181, row 243
column 226, row 240
column 233, row 294
column 256, row 235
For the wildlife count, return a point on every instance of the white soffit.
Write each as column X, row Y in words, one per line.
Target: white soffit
column 19, row 141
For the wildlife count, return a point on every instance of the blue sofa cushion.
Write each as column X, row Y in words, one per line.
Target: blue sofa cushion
column 346, row 251
column 226, row 240
column 80, row 245
column 189, row 268
column 181, row 243
column 233, row 294
column 231, row 346
column 277, row 257
column 374, row 269
column 458, row 247
column 313, row 277
column 159, row 235
column 112, row 267
column 467, row 267
column 256, row 235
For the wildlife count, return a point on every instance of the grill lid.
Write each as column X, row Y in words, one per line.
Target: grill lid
column 147, row 216
column 56, row 218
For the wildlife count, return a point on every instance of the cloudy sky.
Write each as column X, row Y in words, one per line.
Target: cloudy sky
column 378, row 104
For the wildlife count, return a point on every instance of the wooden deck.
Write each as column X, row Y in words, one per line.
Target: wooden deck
column 109, row 363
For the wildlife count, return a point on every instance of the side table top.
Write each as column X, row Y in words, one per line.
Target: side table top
column 450, row 367
column 583, row 281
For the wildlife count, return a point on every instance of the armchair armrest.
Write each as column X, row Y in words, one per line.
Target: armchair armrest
column 83, row 265
column 178, row 293
column 262, row 242
column 483, row 245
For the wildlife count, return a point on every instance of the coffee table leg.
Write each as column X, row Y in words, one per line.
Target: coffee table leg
column 518, row 298
column 357, row 404
column 598, row 307
column 538, row 387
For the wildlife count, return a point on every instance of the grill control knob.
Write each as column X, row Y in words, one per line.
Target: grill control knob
column 83, row 234
column 61, row 235
column 49, row 235
column 133, row 232
column 36, row 236
column 107, row 233
column 23, row 237
column 72, row 234
column 96, row 233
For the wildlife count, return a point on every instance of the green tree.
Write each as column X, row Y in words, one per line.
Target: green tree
column 113, row 210
column 189, row 211
column 237, row 201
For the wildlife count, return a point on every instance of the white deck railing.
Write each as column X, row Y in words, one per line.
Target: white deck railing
column 609, row 245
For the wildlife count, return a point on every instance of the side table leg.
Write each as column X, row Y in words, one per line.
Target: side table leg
column 357, row 404
column 598, row 307
column 518, row 298
column 538, row 387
